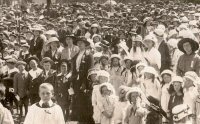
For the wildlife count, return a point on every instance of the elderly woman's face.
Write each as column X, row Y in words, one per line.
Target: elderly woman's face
column 187, row 47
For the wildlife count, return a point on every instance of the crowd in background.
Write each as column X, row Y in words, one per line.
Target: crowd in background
column 109, row 63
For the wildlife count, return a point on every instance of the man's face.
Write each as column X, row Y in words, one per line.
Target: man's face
column 47, row 66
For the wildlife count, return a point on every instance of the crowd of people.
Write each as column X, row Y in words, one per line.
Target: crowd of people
column 100, row 63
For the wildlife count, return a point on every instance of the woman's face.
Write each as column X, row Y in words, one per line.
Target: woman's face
column 167, row 78
column 187, row 82
column 54, row 45
column 115, row 62
column 187, row 47
column 149, row 44
column 177, row 86
column 81, row 45
column 93, row 77
column 94, row 30
column 69, row 41
column 104, row 61
column 33, row 64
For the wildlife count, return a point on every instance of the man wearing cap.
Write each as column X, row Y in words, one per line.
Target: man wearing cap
column 21, row 86
column 82, row 62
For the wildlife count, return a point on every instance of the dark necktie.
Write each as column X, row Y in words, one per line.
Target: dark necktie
column 45, row 105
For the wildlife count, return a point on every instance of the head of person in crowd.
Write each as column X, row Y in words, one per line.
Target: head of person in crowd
column 177, row 86
column 82, row 43
column 50, row 33
column 134, row 96
column 188, row 46
column 25, row 47
column 29, row 35
column 182, row 114
column 47, row 63
column 97, row 56
column 150, row 41
column 21, row 66
column 150, row 73
column 69, row 41
column 37, row 31
column 96, row 38
column 190, row 79
column 159, row 33
column 172, row 44
column 53, row 43
column 106, row 89
column 94, row 29
column 104, row 60
column 11, row 63
column 46, row 92
column 115, row 60
column 122, row 93
column 137, row 44
column 128, row 60
column 65, row 66
column 92, row 75
column 17, row 47
column 167, row 76
column 139, row 68
column 33, row 62
column 103, row 76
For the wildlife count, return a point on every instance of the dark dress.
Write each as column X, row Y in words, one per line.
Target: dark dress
column 82, row 110
column 174, row 101
column 62, row 85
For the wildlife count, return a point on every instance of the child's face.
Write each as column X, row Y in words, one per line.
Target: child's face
column 105, row 90
column 148, row 75
column 45, row 94
column 166, row 78
column 103, row 79
column 93, row 77
column 134, row 97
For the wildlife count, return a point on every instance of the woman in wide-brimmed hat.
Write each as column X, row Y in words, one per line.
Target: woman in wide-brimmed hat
column 190, row 60
column 70, row 49
column 53, row 52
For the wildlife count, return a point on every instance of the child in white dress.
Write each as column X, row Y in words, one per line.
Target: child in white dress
column 45, row 111
column 107, row 103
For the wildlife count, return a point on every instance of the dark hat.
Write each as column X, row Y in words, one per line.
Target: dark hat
column 82, row 38
column 71, row 36
column 193, row 43
column 12, row 61
column 20, row 63
column 33, row 58
column 46, row 59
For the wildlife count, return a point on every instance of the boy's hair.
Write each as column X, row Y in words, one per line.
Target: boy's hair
column 47, row 86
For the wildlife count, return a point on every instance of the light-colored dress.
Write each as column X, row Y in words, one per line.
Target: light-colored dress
column 107, row 104
column 115, row 78
column 120, row 111
column 197, row 109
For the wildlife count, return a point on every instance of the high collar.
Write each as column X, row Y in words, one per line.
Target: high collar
column 50, row 102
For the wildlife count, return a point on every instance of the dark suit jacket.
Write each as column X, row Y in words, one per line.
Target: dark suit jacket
column 165, row 56
column 50, row 78
column 25, row 57
column 36, row 49
column 80, row 78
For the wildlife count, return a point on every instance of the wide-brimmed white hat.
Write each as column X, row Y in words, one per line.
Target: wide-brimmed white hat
column 150, row 37
column 115, row 56
column 181, row 111
column 151, row 70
